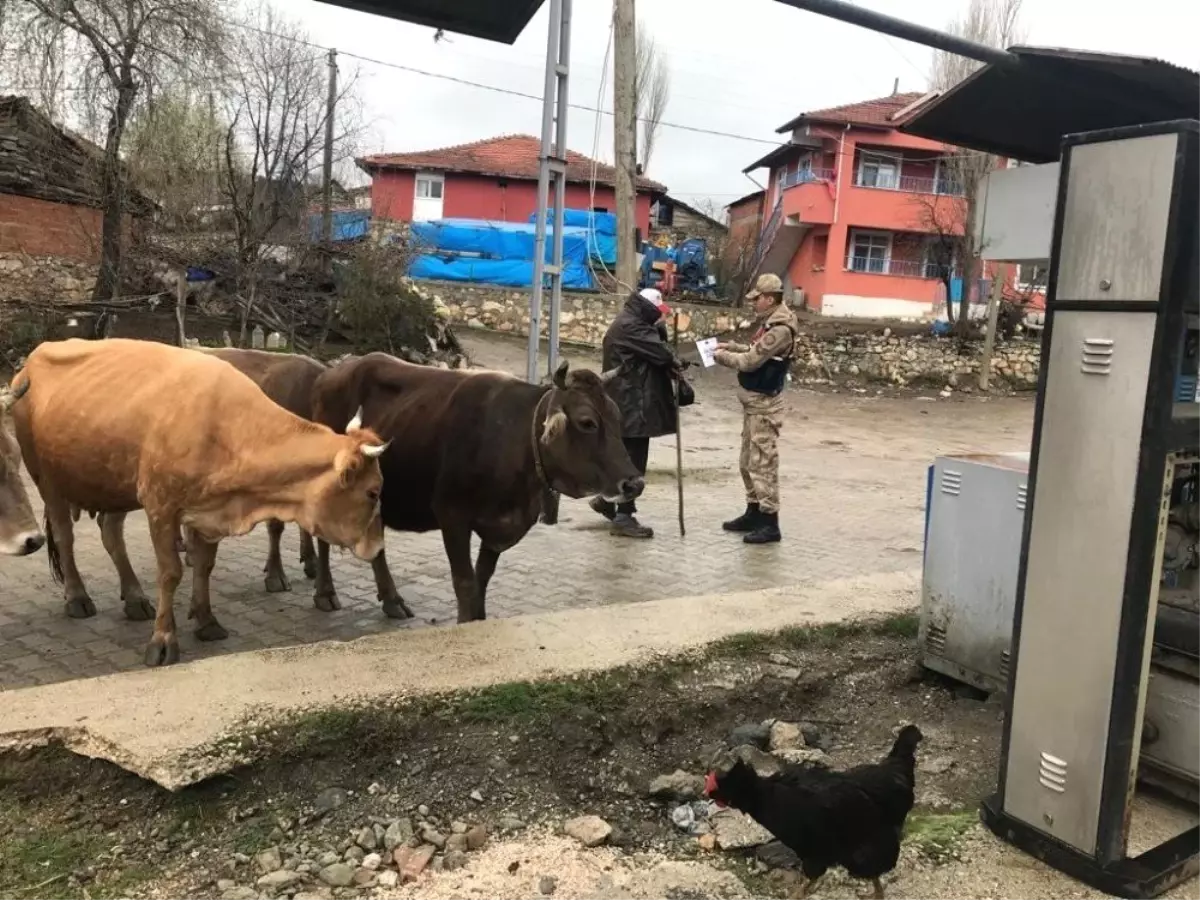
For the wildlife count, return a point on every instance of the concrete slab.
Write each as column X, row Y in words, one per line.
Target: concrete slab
column 172, row 725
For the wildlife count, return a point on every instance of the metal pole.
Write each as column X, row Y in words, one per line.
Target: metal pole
column 327, row 174
column 625, row 139
column 907, row 31
column 560, row 182
column 678, row 434
column 549, row 96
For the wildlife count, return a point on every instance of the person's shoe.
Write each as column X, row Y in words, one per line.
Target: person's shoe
column 747, row 521
column 767, row 531
column 627, row 526
column 602, row 507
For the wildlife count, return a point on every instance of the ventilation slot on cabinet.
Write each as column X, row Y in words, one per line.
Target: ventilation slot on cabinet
column 951, row 482
column 1052, row 773
column 1097, row 356
column 1022, row 496
column 935, row 639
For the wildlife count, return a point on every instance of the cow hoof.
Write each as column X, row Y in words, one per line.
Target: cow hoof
column 277, row 583
column 310, row 568
column 81, row 607
column 138, row 609
column 162, row 651
column 327, row 601
column 213, row 631
column 396, row 608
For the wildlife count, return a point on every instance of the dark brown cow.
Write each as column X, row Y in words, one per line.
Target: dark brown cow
column 474, row 453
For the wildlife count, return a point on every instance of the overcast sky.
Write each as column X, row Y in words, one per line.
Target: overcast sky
column 744, row 68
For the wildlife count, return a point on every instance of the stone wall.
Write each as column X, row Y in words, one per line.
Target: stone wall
column 917, row 360
column 585, row 317
column 880, row 357
column 52, row 278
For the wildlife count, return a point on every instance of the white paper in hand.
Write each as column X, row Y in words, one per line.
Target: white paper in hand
column 707, row 347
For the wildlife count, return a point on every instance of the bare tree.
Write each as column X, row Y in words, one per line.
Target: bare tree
column 950, row 213
column 652, row 90
column 274, row 142
column 175, row 152
column 119, row 52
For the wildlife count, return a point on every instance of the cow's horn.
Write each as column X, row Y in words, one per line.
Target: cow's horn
column 356, row 422
column 606, row 377
column 373, row 451
column 560, row 374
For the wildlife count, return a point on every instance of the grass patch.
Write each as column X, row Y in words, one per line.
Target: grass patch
column 45, row 860
column 807, row 637
column 938, row 835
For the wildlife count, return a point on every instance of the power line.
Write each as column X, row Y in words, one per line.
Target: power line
column 496, row 88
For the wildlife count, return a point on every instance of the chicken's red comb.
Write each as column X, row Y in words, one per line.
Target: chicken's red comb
column 710, row 783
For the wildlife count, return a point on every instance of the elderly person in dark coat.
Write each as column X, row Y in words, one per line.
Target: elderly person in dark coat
column 635, row 345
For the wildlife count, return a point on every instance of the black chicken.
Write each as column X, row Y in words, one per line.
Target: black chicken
column 853, row 819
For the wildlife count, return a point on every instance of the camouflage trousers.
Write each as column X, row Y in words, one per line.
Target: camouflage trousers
column 761, row 420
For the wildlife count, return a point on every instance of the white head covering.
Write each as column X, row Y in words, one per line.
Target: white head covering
column 652, row 294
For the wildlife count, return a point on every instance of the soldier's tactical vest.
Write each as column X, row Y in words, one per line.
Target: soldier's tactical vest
column 770, row 378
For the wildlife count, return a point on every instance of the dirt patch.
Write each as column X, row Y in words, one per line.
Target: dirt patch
column 532, row 753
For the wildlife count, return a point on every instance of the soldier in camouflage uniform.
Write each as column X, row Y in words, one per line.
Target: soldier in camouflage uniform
column 762, row 375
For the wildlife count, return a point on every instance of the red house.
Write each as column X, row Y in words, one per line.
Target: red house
column 851, row 210
column 492, row 179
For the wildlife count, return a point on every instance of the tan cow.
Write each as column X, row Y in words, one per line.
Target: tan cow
column 116, row 425
column 19, row 532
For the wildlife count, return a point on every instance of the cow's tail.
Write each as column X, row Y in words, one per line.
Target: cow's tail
column 52, row 551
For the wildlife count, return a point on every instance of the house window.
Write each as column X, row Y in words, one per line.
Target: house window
column 878, row 171
column 666, row 214
column 1032, row 277
column 870, row 251
column 430, row 187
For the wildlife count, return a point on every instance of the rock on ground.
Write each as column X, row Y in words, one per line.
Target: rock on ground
column 786, row 736
column 591, row 831
column 737, row 831
column 679, row 785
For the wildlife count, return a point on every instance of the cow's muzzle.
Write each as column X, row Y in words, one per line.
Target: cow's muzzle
column 23, row 544
column 369, row 547
column 628, row 489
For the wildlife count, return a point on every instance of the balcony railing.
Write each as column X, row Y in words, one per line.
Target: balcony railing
column 805, row 176
column 874, row 265
column 910, row 184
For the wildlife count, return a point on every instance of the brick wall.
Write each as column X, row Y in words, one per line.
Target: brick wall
column 42, row 228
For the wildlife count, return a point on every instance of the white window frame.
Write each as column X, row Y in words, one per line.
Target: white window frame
column 430, row 179
column 871, row 235
column 877, row 159
column 1024, row 285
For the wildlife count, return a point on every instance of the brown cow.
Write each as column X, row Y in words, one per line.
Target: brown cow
column 117, row 425
column 19, row 532
column 474, row 453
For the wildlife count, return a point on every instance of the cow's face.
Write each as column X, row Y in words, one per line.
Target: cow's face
column 344, row 505
column 19, row 532
column 580, row 442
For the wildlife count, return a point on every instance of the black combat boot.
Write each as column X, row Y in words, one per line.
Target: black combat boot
column 767, row 531
column 747, row 521
column 626, row 525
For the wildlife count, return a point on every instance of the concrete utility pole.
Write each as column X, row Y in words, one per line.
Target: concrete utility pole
column 625, row 138
column 327, row 175
column 993, row 315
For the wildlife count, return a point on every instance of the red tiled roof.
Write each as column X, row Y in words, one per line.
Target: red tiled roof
column 507, row 156
column 873, row 113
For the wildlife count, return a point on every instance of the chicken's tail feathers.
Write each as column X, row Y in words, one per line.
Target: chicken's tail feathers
column 906, row 742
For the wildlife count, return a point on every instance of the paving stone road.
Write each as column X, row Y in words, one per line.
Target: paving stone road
column 853, row 492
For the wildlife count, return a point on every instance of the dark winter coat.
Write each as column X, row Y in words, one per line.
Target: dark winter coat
column 643, row 388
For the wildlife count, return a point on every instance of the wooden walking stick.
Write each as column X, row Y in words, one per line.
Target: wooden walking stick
column 678, row 436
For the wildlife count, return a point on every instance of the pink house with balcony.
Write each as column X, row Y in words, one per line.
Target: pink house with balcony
column 853, row 208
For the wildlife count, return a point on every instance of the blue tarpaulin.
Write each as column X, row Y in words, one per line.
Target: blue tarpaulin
column 600, row 222
column 505, row 272
column 495, row 240
column 348, row 225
